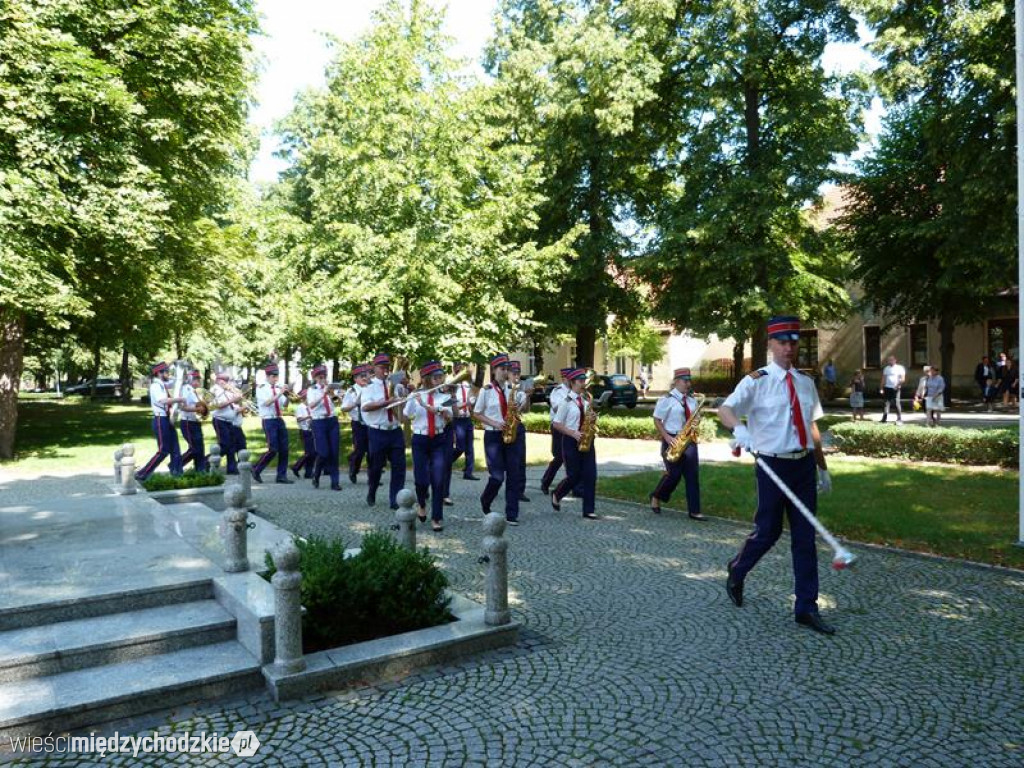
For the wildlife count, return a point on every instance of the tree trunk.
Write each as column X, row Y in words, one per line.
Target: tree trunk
column 335, row 370
column 737, row 361
column 752, row 125
column 586, row 337
column 759, row 347
column 96, row 352
column 126, row 376
column 946, row 348
column 538, row 357
column 179, row 350
column 12, row 350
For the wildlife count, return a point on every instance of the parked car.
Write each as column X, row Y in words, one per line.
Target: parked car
column 620, row 385
column 104, row 388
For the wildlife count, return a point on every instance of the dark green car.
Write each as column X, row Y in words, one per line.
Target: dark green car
column 620, row 385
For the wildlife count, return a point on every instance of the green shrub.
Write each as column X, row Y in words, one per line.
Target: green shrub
column 384, row 590
column 616, row 425
column 952, row 445
column 191, row 479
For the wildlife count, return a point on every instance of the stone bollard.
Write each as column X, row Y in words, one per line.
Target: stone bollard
column 128, row 486
column 496, row 580
column 214, row 458
column 118, row 455
column 405, row 515
column 287, row 583
column 245, row 475
column 235, row 521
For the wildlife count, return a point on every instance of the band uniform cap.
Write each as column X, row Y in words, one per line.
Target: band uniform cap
column 272, row 370
column 515, row 366
column 320, row 370
column 195, row 375
column 430, row 368
column 222, row 376
column 499, row 360
column 159, row 368
column 784, row 328
column 576, row 373
column 382, row 359
column 566, row 371
column 361, row 369
column 682, row 373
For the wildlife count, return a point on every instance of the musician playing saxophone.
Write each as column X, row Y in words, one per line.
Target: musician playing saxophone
column 580, row 466
column 671, row 414
column 492, row 411
column 515, row 372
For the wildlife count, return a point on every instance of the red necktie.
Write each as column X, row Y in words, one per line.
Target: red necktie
column 430, row 415
column 501, row 399
column 327, row 401
column 798, row 415
column 391, row 411
column 686, row 408
column 277, row 404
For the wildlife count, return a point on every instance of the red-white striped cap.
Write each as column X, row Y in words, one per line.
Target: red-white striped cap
column 784, row 327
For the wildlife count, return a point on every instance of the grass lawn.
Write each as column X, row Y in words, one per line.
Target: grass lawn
column 966, row 513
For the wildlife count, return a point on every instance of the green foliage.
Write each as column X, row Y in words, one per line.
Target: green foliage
column 636, row 339
column 384, row 590
column 190, row 479
column 953, row 445
column 636, row 426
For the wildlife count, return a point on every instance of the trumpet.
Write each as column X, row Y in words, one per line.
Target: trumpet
column 246, row 405
column 293, row 397
column 450, row 381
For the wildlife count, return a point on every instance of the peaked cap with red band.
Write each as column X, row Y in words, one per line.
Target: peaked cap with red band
column 271, row 370
column 576, row 373
column 682, row 373
column 159, row 368
column 382, row 359
column 784, row 328
column 430, row 368
column 320, row 370
column 499, row 360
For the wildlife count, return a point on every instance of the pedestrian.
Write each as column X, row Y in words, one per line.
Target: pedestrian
column 644, row 383
column 922, row 388
column 984, row 375
column 1009, row 383
column 857, row 394
column 831, row 379
column 934, row 404
column 781, row 407
column 893, row 376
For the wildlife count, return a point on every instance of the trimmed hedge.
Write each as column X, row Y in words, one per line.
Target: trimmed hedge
column 614, row 425
column 384, row 590
column 953, row 445
column 190, row 479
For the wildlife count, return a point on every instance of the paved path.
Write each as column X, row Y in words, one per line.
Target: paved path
column 632, row 655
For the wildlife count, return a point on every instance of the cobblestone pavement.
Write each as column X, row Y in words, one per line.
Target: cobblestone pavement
column 631, row 654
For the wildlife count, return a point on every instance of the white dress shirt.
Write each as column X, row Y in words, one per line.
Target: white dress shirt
column 188, row 392
column 377, row 391
column 302, row 417
column 221, row 396
column 568, row 414
column 419, row 410
column 319, row 402
column 488, row 404
column 671, row 411
column 159, row 394
column 764, row 400
column 464, row 400
column 352, row 398
column 558, row 395
column 267, row 392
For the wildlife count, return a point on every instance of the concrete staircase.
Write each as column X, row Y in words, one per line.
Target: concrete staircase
column 66, row 665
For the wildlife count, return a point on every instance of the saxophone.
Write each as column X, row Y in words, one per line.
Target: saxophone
column 512, row 421
column 688, row 434
column 588, row 429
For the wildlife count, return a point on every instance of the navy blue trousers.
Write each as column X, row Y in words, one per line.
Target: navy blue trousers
column 519, row 454
column 277, row 446
column 449, row 444
column 360, row 444
column 167, row 445
column 228, row 447
column 192, row 431
column 387, row 446
column 502, row 467
column 556, row 459
column 430, row 469
column 463, row 429
column 308, row 458
column 325, row 440
column 686, row 468
column 580, row 473
column 802, row 478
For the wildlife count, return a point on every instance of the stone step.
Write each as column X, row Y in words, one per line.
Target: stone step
column 69, row 645
column 102, row 604
column 84, row 697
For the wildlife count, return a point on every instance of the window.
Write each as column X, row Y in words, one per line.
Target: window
column 572, row 356
column 918, row 345
column 807, row 354
column 1002, row 337
column 620, row 364
column 872, row 346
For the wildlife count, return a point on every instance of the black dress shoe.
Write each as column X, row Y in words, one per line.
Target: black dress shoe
column 352, row 477
column 285, row 481
column 470, row 477
column 394, row 507
column 546, row 490
column 554, row 504
column 448, row 502
column 734, row 588
column 815, row 622
column 590, row 516
column 295, row 472
column 655, row 509
column 696, row 516
column 257, row 478
column 316, row 482
column 524, row 498
column 371, row 499
column 335, row 487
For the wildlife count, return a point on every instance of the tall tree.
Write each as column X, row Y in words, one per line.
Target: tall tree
column 931, row 217
column 759, row 125
column 407, row 210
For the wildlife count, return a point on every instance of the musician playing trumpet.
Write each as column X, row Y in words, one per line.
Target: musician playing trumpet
column 492, row 411
column 671, row 415
column 227, row 408
column 352, row 405
column 386, row 440
column 430, row 415
column 191, row 427
column 272, row 402
column 325, row 428
column 580, row 465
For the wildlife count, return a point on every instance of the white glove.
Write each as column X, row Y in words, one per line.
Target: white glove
column 741, row 436
column 824, row 481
